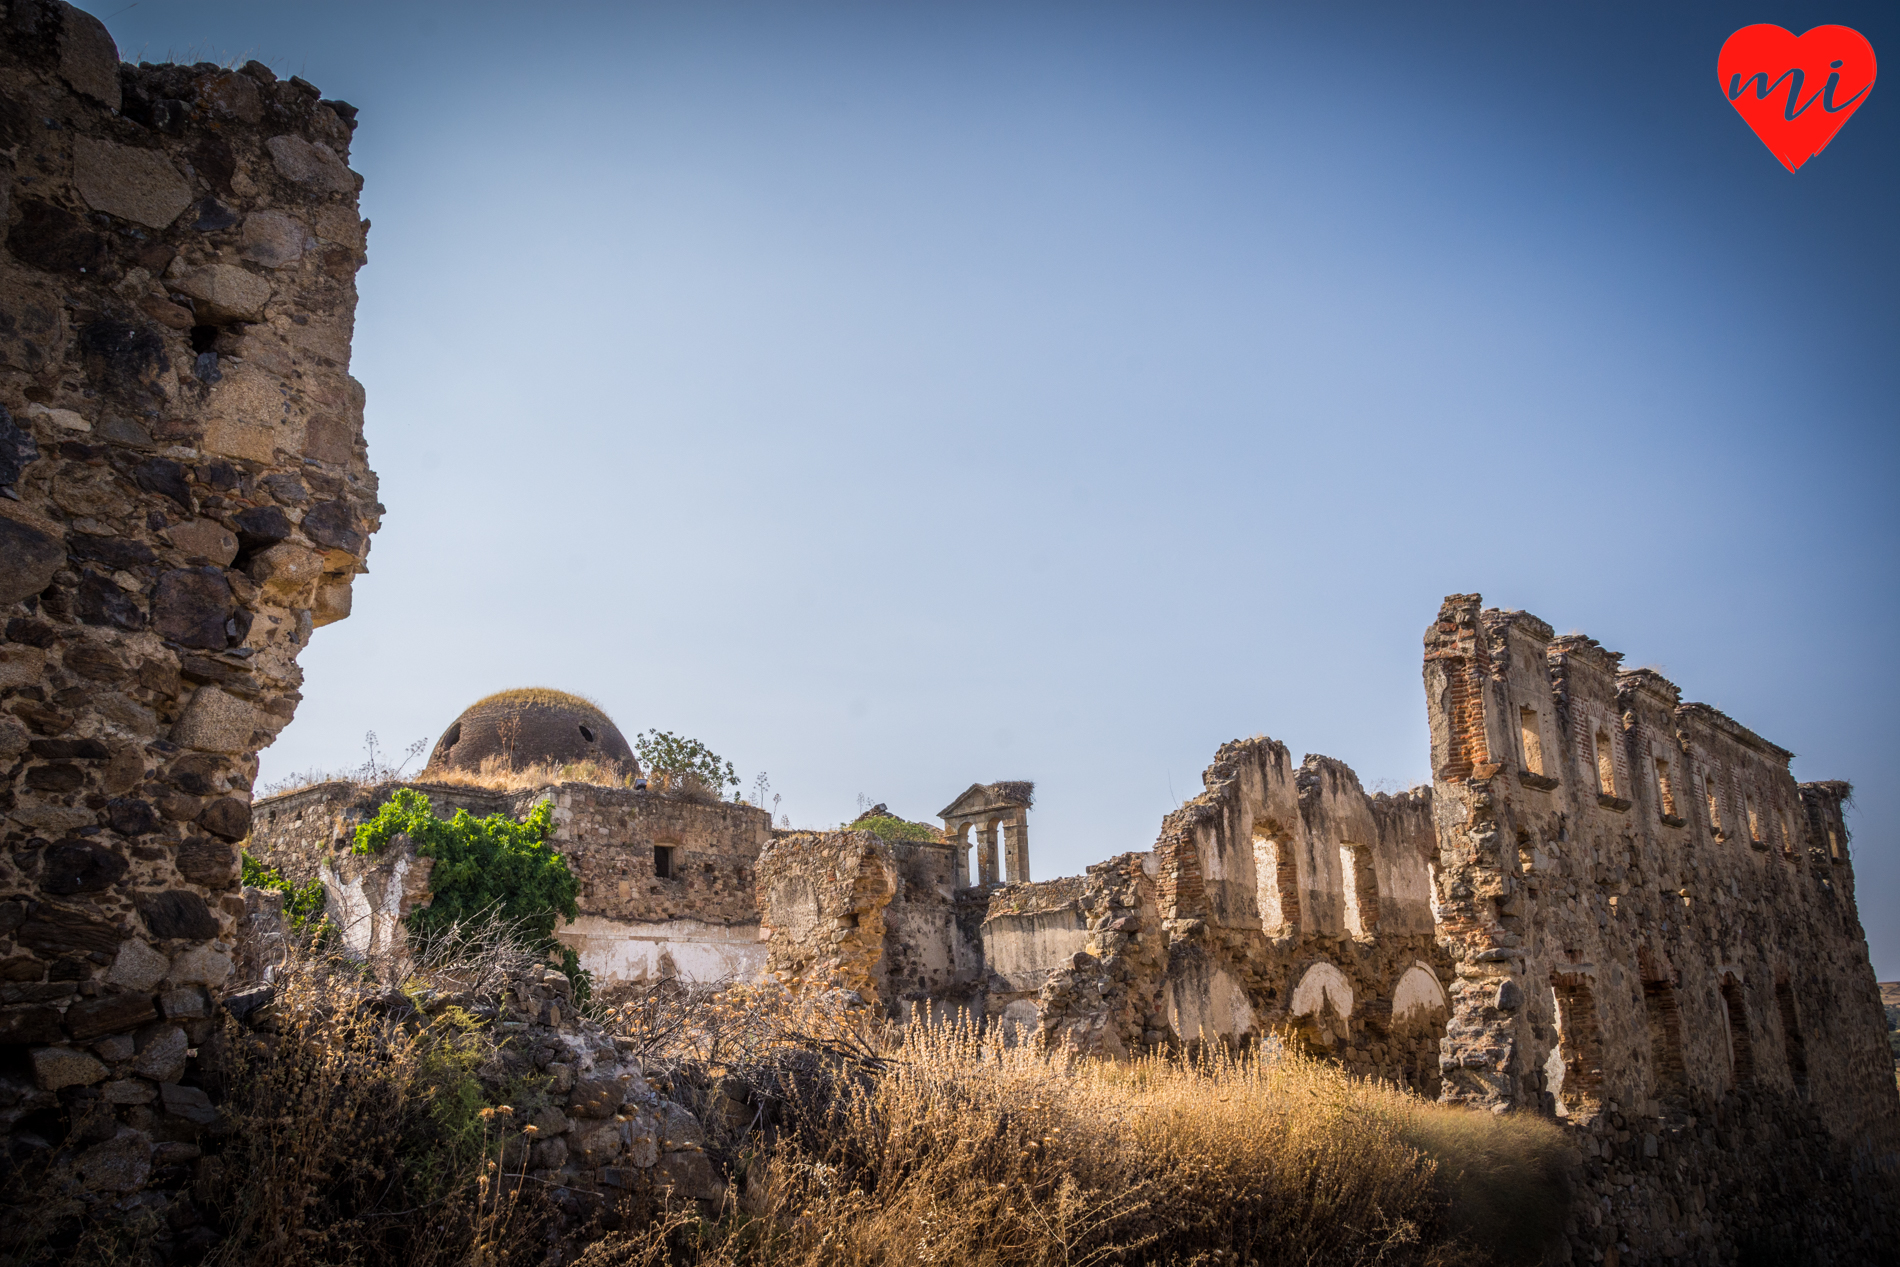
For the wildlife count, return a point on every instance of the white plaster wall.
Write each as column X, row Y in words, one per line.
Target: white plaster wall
column 1024, row 949
column 625, row 950
column 1322, row 984
column 1417, row 993
column 1208, row 1002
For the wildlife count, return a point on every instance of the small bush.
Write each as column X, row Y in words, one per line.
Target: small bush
column 359, row 1131
column 485, row 867
column 890, row 827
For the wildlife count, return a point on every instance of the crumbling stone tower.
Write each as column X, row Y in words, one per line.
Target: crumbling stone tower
column 184, row 497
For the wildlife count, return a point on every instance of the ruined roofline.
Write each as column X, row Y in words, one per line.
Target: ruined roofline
column 1715, row 718
column 1581, row 648
column 1018, row 793
column 1652, row 681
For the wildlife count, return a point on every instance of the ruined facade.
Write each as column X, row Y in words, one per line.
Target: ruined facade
column 184, row 498
column 666, row 878
column 1610, row 906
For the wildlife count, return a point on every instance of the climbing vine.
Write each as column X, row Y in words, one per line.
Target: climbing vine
column 484, row 867
column 303, row 903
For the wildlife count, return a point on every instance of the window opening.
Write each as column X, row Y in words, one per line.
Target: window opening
column 1665, row 788
column 663, row 861
column 1532, row 738
column 1579, row 1051
column 1606, row 765
column 1754, row 820
column 1665, row 1035
column 1715, row 802
column 1741, row 1047
column 1361, row 889
column 1792, row 1041
column 1277, row 880
column 587, row 734
column 1833, row 845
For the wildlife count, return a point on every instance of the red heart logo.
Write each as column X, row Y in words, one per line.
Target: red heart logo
column 1796, row 92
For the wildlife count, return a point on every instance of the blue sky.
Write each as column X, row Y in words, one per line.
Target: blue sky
column 895, row 396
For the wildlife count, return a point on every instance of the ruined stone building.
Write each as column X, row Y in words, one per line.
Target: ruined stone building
column 666, row 876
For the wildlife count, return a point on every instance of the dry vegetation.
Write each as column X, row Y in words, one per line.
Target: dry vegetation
column 949, row 1148
column 495, row 775
column 365, row 1129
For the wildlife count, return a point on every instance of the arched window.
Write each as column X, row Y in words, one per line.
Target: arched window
column 1361, row 889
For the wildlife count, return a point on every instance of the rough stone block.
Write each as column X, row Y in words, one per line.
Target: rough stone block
column 134, row 184
column 121, row 1164
column 189, row 1103
column 57, row 1067
column 162, row 1051
column 138, row 967
column 109, row 1014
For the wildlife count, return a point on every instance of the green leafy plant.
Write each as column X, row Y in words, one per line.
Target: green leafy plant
column 303, row 903
column 484, row 868
column 665, row 753
column 890, row 827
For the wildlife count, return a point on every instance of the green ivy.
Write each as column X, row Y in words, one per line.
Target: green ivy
column 485, row 866
column 303, row 903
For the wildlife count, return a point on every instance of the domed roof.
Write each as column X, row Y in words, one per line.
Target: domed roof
column 531, row 726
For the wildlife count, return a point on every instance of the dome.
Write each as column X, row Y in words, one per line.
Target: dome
column 532, row 726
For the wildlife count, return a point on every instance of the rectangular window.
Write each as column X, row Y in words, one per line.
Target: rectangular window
column 1533, row 739
column 1715, row 801
column 1833, row 845
column 1606, row 764
column 663, row 862
column 1754, row 820
column 1665, row 790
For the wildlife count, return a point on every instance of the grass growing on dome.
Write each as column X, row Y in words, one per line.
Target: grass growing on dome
column 546, row 697
column 495, row 775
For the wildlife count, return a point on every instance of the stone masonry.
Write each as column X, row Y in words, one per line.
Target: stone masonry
column 1655, row 937
column 184, row 497
column 666, row 877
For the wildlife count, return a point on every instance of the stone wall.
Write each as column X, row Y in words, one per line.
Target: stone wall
column 823, row 895
column 699, row 919
column 184, row 497
column 1656, row 938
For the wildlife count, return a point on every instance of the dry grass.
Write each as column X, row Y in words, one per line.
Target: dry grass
column 360, row 1126
column 363, row 1129
column 954, row 1149
column 544, row 696
column 495, row 775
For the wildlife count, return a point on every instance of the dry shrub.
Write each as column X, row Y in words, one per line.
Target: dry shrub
column 357, row 1126
column 956, row 1149
column 495, row 774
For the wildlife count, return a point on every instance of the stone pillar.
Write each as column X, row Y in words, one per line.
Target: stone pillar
column 1483, row 1055
column 1016, row 848
column 986, row 852
column 958, row 834
column 184, row 496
